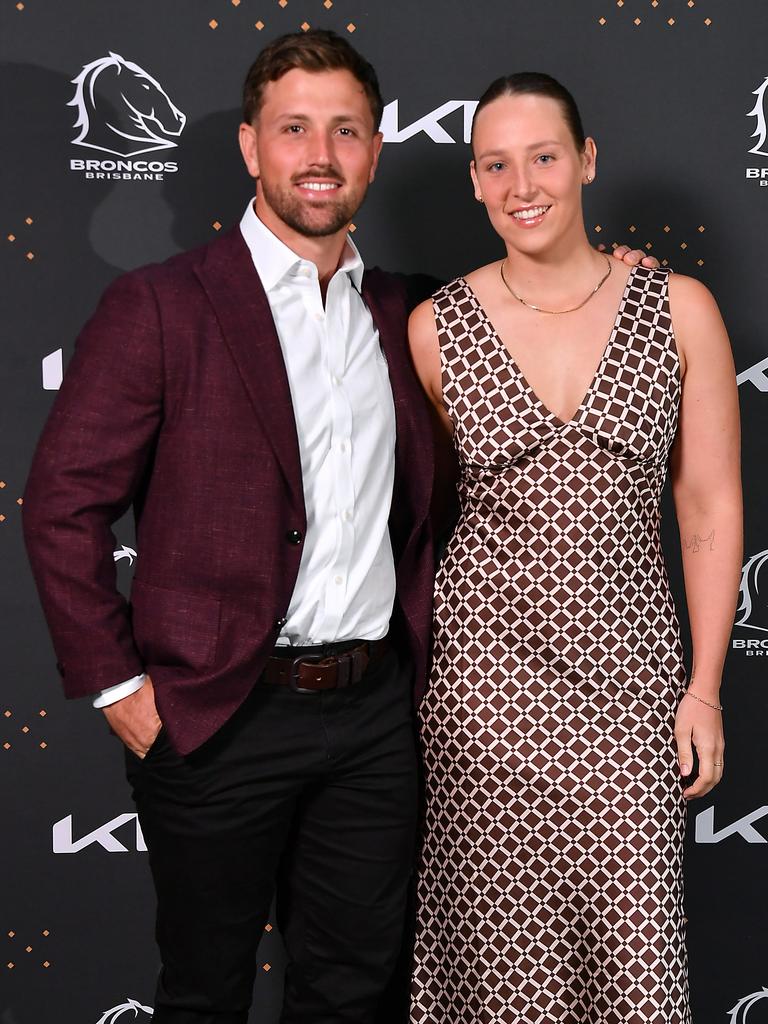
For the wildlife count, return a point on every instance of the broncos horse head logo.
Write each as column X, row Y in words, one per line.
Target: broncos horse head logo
column 740, row 1012
column 130, row 1006
column 759, row 111
column 123, row 110
column 753, row 604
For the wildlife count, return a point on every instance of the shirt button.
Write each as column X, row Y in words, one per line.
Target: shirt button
column 319, row 316
column 293, row 537
column 346, row 515
column 338, row 580
column 335, row 380
column 343, row 446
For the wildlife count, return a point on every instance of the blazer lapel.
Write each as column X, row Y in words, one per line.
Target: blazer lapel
column 240, row 303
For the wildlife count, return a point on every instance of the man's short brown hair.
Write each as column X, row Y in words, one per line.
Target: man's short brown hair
column 315, row 50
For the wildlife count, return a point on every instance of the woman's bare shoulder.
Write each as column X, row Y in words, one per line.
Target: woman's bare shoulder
column 689, row 297
column 699, row 329
column 482, row 275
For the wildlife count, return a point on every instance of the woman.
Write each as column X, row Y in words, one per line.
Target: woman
column 559, row 729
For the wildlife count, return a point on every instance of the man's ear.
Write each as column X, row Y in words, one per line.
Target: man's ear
column 378, row 142
column 247, row 138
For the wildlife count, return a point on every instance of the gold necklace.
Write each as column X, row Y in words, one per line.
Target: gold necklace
column 557, row 312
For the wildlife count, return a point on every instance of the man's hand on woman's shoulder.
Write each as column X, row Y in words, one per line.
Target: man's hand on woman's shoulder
column 633, row 257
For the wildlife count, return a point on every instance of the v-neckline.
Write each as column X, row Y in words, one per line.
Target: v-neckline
column 521, row 376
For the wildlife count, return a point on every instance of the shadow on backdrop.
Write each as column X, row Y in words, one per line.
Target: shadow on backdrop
column 212, row 184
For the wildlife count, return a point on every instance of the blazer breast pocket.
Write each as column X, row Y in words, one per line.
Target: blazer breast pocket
column 175, row 627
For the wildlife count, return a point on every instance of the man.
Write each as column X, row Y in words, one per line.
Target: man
column 254, row 402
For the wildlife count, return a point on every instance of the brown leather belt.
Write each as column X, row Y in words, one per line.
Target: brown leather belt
column 311, row 673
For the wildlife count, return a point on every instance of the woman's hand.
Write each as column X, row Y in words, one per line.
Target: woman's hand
column 700, row 726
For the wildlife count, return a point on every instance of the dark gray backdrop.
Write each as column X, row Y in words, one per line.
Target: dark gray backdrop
column 666, row 86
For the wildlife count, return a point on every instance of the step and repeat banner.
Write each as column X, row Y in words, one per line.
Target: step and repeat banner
column 676, row 94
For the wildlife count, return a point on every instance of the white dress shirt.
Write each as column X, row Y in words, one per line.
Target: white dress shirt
column 345, row 422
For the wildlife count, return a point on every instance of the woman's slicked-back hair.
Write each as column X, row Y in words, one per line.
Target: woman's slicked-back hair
column 315, row 50
column 536, row 83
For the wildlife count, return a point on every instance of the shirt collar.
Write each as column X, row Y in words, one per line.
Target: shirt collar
column 274, row 261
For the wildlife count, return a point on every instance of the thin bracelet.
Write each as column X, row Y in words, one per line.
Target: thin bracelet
column 715, row 707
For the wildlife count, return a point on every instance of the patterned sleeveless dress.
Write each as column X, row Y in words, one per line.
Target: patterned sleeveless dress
column 551, row 882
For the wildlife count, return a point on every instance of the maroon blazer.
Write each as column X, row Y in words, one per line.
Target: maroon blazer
column 177, row 402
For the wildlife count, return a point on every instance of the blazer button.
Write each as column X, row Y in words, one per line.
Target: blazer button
column 280, row 623
column 293, row 537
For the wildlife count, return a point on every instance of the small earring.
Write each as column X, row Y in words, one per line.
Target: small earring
column 590, row 179
column 479, row 199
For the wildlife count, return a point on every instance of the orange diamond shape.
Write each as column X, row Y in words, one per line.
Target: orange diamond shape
column 235, row 3
column 30, row 255
column 42, row 712
column 213, row 23
column 216, row 225
column 327, row 4
column 351, row 27
column 598, row 228
column 2, row 519
column 305, row 26
column 2, row 484
column 6, row 746
column 601, row 21
column 11, row 238
column 701, row 227
column 259, row 25
column 46, row 963
column 283, row 3
column 19, row 7
column 28, row 220
column 267, row 967
column 43, row 745
column 7, row 714
column 683, row 245
column 700, row 263
column 707, row 22
column 637, row 21
column 25, row 728
column 667, row 228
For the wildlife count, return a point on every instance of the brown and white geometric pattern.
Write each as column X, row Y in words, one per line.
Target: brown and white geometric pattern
column 551, row 883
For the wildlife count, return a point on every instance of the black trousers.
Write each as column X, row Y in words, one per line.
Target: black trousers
column 314, row 795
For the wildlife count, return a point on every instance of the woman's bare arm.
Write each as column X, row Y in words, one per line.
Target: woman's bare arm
column 706, row 484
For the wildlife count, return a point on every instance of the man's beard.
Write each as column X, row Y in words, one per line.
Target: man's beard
column 316, row 220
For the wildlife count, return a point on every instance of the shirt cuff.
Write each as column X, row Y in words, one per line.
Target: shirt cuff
column 112, row 694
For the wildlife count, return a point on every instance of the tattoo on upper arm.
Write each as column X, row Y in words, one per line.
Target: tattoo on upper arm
column 698, row 543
